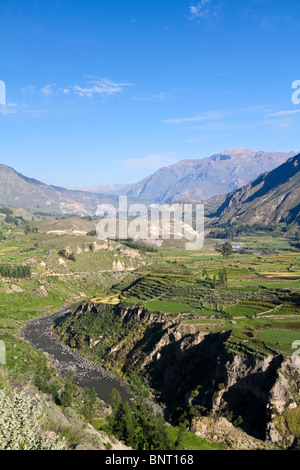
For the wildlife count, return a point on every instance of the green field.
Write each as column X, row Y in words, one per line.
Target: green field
column 192, row 442
column 166, row 307
column 281, row 338
column 187, row 283
column 254, row 295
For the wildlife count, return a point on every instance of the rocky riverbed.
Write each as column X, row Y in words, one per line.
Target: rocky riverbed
column 38, row 334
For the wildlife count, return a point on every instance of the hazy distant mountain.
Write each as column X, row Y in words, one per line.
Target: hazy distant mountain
column 271, row 198
column 19, row 191
column 202, row 179
column 117, row 188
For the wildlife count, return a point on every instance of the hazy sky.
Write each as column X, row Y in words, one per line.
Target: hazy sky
column 105, row 91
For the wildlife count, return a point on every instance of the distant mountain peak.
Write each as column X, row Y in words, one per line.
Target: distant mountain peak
column 202, row 179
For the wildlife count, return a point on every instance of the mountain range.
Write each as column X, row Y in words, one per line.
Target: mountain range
column 201, row 179
column 20, row 191
column 273, row 197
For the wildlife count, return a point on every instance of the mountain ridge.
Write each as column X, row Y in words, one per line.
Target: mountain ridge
column 18, row 190
column 201, row 179
column 207, row 177
column 273, row 197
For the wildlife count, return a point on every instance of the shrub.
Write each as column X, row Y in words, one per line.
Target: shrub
column 20, row 424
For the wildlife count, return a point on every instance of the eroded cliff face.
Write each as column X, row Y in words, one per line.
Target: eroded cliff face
column 193, row 373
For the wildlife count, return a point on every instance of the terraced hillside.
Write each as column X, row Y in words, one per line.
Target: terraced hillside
column 202, row 330
column 63, row 267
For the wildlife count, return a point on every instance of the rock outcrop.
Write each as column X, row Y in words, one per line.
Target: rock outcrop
column 221, row 430
column 194, row 374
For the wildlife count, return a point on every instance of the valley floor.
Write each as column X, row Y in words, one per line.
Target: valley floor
column 155, row 313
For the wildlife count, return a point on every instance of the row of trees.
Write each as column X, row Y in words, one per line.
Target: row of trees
column 28, row 229
column 230, row 231
column 219, row 279
column 16, row 272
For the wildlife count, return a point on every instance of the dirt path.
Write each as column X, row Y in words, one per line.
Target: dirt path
column 262, row 313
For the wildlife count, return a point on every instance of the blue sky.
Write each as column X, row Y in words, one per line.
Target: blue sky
column 106, row 91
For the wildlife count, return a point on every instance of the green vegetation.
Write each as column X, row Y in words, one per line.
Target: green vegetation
column 251, row 292
column 292, row 419
column 20, row 424
column 281, row 338
column 138, row 425
column 89, row 407
column 138, row 246
column 67, row 256
column 226, row 250
column 31, row 421
column 166, row 307
column 189, row 441
column 215, row 293
column 17, row 272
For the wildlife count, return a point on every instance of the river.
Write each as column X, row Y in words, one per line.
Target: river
column 38, row 334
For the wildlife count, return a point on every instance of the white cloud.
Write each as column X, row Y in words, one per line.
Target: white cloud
column 189, row 119
column 284, row 113
column 28, row 89
column 257, row 108
column 209, row 115
column 94, row 86
column 34, row 112
column 153, row 162
column 47, row 89
column 97, row 87
column 201, row 9
column 153, row 97
column 8, row 108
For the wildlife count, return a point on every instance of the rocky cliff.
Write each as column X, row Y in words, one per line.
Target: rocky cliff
column 194, row 374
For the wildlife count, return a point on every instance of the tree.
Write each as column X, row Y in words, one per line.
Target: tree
column 223, row 276
column 89, row 403
column 204, row 273
column 67, row 393
column 227, row 250
column 129, row 425
column 136, row 423
column 42, row 377
column 72, row 257
column 180, row 437
column 63, row 254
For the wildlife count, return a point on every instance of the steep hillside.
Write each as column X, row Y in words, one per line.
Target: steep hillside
column 197, row 375
column 19, row 191
column 273, row 197
column 207, row 177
